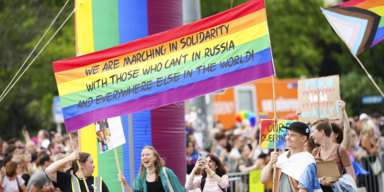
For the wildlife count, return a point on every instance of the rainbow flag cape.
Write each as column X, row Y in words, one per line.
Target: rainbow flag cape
column 218, row 52
column 267, row 134
column 360, row 23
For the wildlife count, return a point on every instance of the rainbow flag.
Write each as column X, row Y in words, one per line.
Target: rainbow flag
column 267, row 133
column 218, row 52
column 263, row 115
column 360, row 23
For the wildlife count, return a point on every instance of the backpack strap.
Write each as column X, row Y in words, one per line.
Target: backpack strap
column 221, row 188
column 342, row 166
column 202, row 183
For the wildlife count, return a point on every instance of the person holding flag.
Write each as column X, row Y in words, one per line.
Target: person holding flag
column 296, row 168
column 68, row 182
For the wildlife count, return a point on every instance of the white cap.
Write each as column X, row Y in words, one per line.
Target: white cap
column 363, row 116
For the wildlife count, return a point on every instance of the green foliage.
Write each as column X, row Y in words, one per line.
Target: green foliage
column 23, row 24
column 304, row 43
column 353, row 86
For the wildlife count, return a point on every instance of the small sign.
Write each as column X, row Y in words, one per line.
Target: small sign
column 57, row 111
column 267, row 134
column 254, row 181
column 318, row 98
column 372, row 99
column 109, row 133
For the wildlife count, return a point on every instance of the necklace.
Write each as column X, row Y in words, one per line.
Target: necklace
column 148, row 171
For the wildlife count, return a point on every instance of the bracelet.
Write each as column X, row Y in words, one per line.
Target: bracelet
column 213, row 173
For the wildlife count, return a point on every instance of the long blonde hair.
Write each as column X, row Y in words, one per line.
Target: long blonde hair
column 20, row 159
column 159, row 163
column 367, row 126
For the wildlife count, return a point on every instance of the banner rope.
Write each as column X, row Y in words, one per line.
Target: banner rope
column 34, row 49
column 6, row 91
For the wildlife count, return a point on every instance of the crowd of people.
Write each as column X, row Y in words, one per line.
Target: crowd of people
column 48, row 163
column 344, row 141
column 23, row 164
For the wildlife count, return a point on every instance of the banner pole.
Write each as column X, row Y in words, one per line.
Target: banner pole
column 274, row 132
column 118, row 166
column 358, row 60
column 78, row 164
column 131, row 152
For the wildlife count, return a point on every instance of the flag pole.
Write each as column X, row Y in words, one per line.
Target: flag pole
column 358, row 60
column 118, row 166
column 78, row 164
column 274, row 132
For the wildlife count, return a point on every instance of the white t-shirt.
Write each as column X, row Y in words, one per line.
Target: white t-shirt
column 45, row 143
column 11, row 186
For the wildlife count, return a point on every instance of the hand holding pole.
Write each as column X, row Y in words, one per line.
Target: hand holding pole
column 78, row 164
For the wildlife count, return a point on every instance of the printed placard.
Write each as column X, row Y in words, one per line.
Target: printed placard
column 318, row 98
column 109, row 134
column 267, row 133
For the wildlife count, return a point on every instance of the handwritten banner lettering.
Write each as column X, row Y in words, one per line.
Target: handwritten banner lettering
column 267, row 133
column 318, row 98
column 218, row 52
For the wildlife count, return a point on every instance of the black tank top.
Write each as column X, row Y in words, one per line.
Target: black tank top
column 155, row 186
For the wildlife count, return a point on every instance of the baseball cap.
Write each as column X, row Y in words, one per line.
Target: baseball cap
column 363, row 116
column 299, row 127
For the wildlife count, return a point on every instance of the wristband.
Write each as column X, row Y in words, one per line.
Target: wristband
column 213, row 173
column 254, row 166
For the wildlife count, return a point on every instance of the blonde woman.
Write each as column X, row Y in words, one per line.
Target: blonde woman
column 60, row 156
column 22, row 165
column 151, row 177
column 367, row 141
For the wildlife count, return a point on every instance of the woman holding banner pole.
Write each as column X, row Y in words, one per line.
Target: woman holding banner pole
column 68, row 182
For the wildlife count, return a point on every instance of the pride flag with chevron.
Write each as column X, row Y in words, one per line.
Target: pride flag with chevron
column 360, row 23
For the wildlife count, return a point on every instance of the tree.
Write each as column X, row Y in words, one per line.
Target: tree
column 23, row 23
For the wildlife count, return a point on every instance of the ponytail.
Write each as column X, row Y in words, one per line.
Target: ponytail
column 83, row 158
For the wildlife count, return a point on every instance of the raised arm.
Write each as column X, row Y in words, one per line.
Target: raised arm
column 51, row 171
column 192, row 183
column 346, row 143
column 256, row 165
column 254, row 145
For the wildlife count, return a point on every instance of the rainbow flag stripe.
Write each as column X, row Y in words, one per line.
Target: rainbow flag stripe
column 360, row 23
column 267, row 133
column 263, row 115
column 218, row 52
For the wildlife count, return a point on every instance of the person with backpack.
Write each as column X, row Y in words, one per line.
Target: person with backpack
column 213, row 179
column 329, row 151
